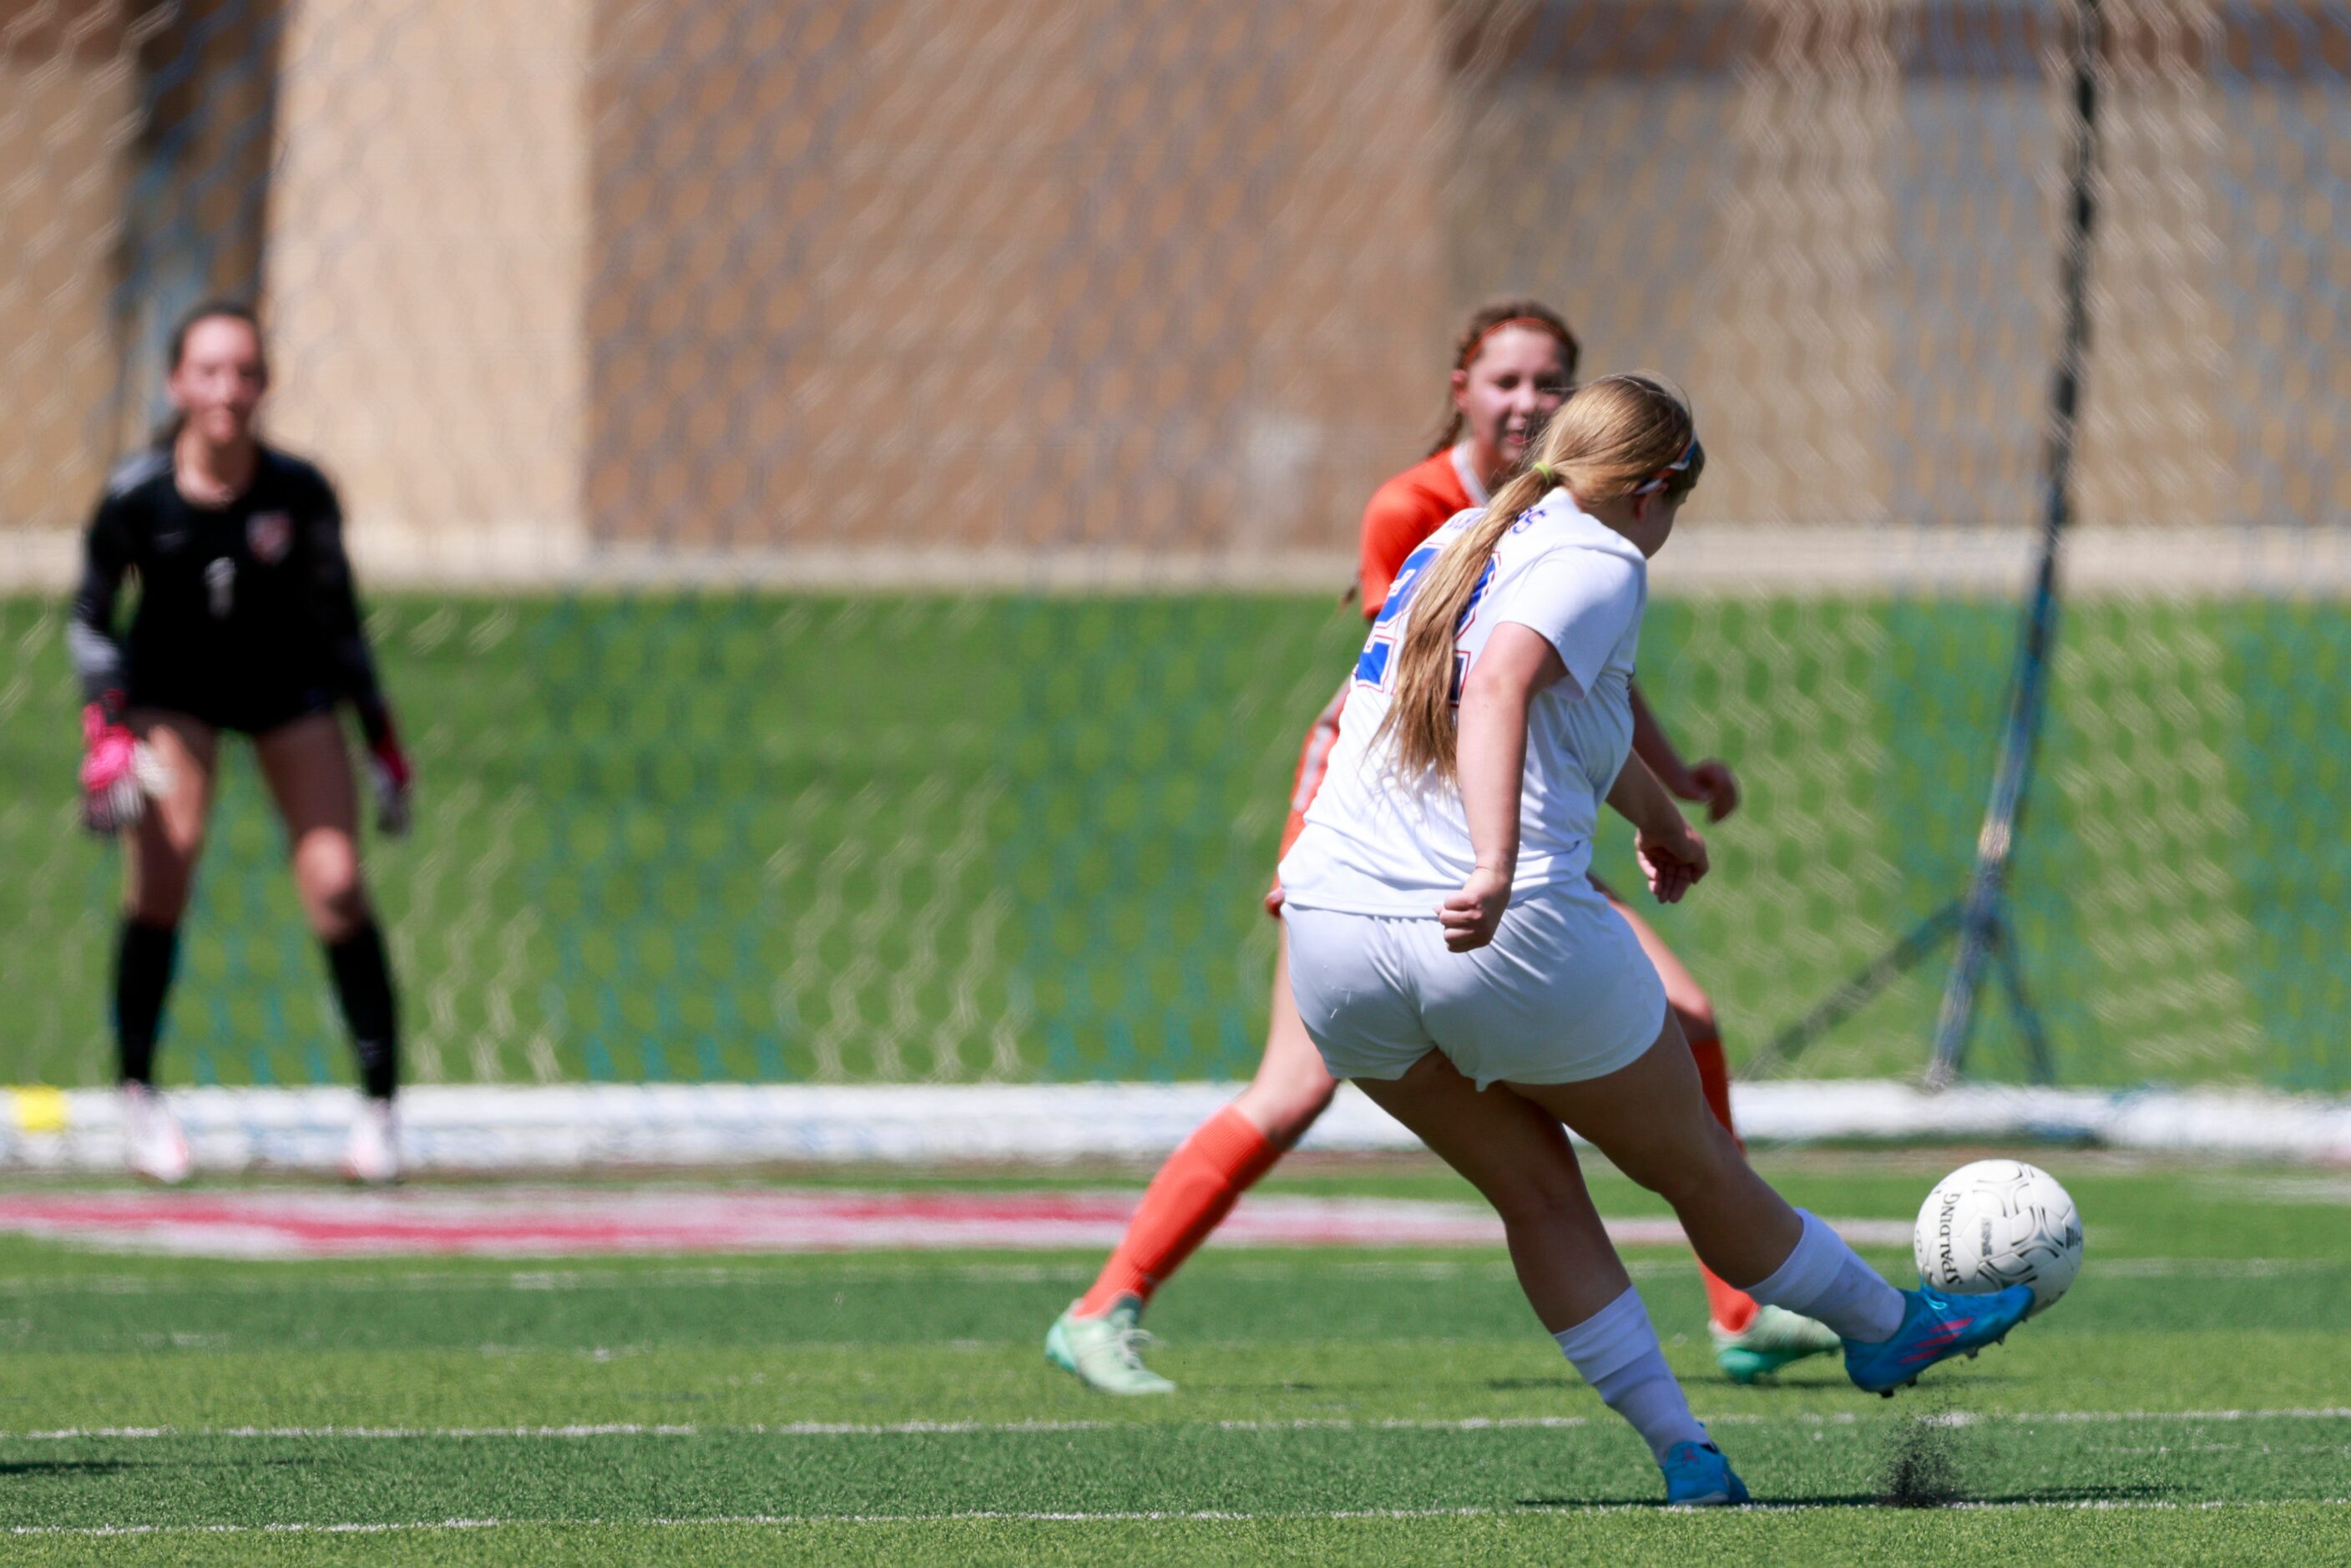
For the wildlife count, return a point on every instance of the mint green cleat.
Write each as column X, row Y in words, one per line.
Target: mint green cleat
column 1102, row 1350
column 1770, row 1342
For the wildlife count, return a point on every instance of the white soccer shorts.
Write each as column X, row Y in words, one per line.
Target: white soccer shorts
column 1563, row 992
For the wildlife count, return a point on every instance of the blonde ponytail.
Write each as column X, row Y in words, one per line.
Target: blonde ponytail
column 1619, row 435
column 1421, row 716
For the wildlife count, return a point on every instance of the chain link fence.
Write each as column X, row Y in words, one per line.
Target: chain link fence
column 854, row 496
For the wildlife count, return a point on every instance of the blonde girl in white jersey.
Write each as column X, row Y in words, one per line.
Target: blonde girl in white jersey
column 1449, row 955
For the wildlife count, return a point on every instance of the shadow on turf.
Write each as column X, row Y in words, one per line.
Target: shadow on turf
column 1826, row 1374
column 72, row 1466
column 2036, row 1495
column 1882, row 1499
column 118, row 1466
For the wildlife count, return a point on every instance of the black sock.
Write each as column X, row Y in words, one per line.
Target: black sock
column 363, row 984
column 143, row 960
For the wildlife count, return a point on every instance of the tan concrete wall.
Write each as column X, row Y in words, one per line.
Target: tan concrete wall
column 1178, row 275
column 427, row 228
column 2154, row 438
column 66, row 116
column 1846, row 247
column 1133, row 276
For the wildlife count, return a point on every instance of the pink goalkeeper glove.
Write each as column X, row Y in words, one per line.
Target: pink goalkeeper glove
column 113, row 794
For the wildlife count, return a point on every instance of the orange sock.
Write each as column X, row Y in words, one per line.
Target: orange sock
column 1731, row 1307
column 1190, row 1196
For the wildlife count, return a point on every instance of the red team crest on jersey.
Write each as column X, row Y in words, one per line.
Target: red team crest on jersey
column 269, row 535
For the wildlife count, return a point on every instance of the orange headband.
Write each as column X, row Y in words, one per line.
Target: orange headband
column 1531, row 323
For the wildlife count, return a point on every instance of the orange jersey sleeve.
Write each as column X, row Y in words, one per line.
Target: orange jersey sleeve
column 1394, row 523
column 1403, row 512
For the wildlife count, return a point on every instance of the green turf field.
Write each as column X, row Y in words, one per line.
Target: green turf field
column 2191, row 1401
column 770, row 837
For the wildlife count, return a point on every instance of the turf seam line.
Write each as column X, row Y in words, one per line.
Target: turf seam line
column 583, row 1430
column 795, row 1429
column 2089, row 1505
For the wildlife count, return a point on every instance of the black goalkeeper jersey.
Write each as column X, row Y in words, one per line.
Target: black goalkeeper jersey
column 246, row 617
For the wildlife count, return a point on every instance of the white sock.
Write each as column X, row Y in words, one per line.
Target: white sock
column 1825, row 1279
column 1616, row 1350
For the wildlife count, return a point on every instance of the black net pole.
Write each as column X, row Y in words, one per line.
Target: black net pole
column 1984, row 912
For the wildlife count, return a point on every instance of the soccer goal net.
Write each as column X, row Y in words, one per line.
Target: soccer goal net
column 853, row 499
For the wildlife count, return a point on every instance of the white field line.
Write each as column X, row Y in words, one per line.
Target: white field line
column 1215, row 1516
column 984, row 1429
column 2219, row 1268
column 822, row 1271
column 795, row 1429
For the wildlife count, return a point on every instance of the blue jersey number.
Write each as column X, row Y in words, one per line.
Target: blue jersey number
column 1400, row 590
column 1372, row 664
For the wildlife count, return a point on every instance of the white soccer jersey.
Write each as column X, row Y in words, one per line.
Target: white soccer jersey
column 1379, row 844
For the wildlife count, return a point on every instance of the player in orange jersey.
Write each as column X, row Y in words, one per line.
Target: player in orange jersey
column 1514, row 365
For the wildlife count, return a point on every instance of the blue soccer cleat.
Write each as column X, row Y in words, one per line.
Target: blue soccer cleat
column 1698, row 1476
column 1934, row 1327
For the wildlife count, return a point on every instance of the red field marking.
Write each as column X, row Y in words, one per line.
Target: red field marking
column 538, row 1222
column 573, row 1221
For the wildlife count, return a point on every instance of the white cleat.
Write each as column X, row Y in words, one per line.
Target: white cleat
column 372, row 1157
column 1105, row 1351
column 152, row 1144
column 1774, row 1339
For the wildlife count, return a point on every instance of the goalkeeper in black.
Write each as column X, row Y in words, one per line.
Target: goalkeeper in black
column 245, row 621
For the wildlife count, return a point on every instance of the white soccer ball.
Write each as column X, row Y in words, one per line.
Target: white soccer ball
column 1998, row 1223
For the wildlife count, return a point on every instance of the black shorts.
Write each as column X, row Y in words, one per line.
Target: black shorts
column 247, row 709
